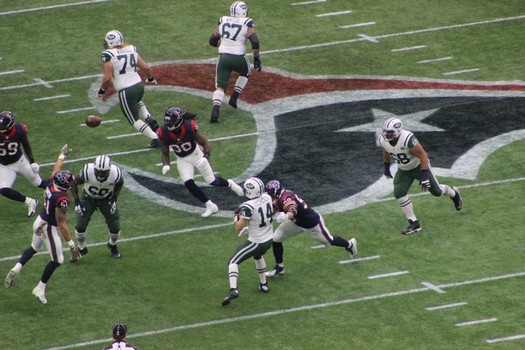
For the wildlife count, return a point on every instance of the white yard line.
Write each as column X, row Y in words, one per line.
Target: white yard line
column 385, row 275
column 470, row 323
column 36, row 9
column 446, row 306
column 300, row 309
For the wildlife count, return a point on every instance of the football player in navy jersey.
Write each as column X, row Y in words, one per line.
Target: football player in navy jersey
column 294, row 217
column 13, row 161
column 51, row 220
column 181, row 133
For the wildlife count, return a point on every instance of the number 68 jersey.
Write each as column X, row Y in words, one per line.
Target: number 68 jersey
column 96, row 189
column 400, row 152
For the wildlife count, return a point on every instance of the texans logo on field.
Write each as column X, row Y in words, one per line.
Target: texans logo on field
column 318, row 134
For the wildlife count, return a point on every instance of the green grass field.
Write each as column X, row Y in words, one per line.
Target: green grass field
column 458, row 284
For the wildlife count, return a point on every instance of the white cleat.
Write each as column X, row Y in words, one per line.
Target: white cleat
column 31, row 207
column 8, row 282
column 210, row 210
column 353, row 247
column 236, row 188
column 40, row 293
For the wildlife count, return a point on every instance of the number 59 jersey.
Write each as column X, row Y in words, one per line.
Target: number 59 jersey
column 400, row 152
column 96, row 189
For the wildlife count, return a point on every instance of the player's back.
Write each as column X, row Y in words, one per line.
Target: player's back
column 124, row 60
column 260, row 211
column 233, row 32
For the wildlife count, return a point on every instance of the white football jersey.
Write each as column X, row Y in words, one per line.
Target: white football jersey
column 124, row 66
column 95, row 188
column 259, row 212
column 233, row 32
column 400, row 152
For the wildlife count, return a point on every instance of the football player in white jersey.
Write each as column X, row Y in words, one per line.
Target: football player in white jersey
column 231, row 36
column 102, row 182
column 254, row 219
column 121, row 62
column 402, row 147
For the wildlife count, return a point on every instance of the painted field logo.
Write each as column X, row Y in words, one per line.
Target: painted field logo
column 318, row 135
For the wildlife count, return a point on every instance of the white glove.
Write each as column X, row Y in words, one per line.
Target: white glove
column 165, row 169
column 245, row 230
column 35, row 167
column 113, row 208
column 280, row 217
column 79, row 209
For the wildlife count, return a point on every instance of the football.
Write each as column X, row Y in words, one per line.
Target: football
column 93, row 121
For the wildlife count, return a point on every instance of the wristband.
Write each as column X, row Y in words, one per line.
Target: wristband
column 101, row 91
column 71, row 243
column 62, row 157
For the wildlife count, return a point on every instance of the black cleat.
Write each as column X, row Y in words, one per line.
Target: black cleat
column 458, row 203
column 215, row 114
column 263, row 287
column 413, row 227
column 277, row 270
column 233, row 99
column 155, row 143
column 83, row 251
column 114, row 251
column 232, row 294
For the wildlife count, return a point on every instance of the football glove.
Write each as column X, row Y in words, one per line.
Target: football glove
column 79, row 209
column 100, row 94
column 35, row 167
column 387, row 172
column 424, row 181
column 151, row 80
column 281, row 217
column 245, row 230
column 113, row 207
column 75, row 254
column 165, row 169
column 257, row 64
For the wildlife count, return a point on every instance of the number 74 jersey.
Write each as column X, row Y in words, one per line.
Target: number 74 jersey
column 400, row 152
column 124, row 62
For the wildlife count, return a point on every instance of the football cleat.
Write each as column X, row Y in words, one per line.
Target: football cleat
column 215, row 114
column 83, row 251
column 352, row 249
column 40, row 293
column 232, row 294
column 114, row 251
column 236, row 188
column 31, row 207
column 8, row 282
column 155, row 143
column 233, row 99
column 210, row 210
column 277, row 270
column 263, row 287
column 413, row 227
column 458, row 202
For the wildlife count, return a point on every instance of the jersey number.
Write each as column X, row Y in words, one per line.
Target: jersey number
column 400, row 158
column 268, row 215
column 183, row 147
column 130, row 58
column 228, row 29
column 9, row 150
column 97, row 192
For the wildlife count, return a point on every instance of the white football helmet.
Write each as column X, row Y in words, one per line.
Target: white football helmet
column 253, row 188
column 392, row 128
column 113, row 38
column 102, row 167
column 239, row 9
